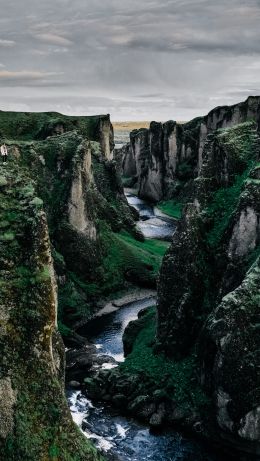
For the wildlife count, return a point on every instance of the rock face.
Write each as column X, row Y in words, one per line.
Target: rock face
column 164, row 156
column 210, row 279
column 159, row 157
column 35, row 420
column 71, row 160
column 230, row 361
column 78, row 214
column 182, row 286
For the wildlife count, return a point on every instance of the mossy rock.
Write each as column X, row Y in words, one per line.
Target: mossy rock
column 3, row 181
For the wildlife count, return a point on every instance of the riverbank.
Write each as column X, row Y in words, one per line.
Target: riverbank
column 131, row 266
column 130, row 297
column 95, row 373
column 153, row 392
column 117, row 435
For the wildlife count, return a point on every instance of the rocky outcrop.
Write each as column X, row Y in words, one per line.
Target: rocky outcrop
column 106, row 137
column 83, row 180
column 161, row 156
column 182, row 286
column 220, row 230
column 204, row 278
column 35, row 420
column 29, row 125
column 230, row 362
column 71, row 160
column 165, row 156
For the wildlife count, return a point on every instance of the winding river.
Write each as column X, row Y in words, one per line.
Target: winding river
column 152, row 223
column 120, row 438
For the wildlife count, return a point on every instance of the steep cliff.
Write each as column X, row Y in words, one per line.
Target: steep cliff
column 71, row 161
column 211, row 249
column 204, row 278
column 161, row 160
column 65, row 224
column 35, row 421
column 230, row 363
column 196, row 362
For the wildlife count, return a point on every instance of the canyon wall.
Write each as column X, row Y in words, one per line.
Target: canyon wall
column 61, row 203
column 161, row 159
column 195, row 361
column 63, row 212
column 71, row 160
column 208, row 295
column 35, row 421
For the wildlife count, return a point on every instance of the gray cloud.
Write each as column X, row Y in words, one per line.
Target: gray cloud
column 53, row 39
column 6, row 43
column 155, row 59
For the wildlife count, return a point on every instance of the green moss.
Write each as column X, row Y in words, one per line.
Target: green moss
column 185, row 170
column 7, row 237
column 223, row 204
column 253, row 256
column 27, row 191
column 74, row 302
column 125, row 261
column 127, row 258
column 171, row 208
column 177, row 379
column 238, row 141
column 37, row 202
column 4, row 224
column 3, row 181
column 239, row 145
column 43, row 429
column 64, row 330
column 27, row 126
column 152, row 246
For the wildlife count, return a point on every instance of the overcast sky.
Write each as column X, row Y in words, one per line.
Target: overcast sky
column 134, row 59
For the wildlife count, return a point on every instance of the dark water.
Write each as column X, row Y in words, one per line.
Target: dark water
column 152, row 223
column 106, row 332
column 126, row 440
column 116, row 435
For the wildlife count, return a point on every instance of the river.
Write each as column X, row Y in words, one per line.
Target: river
column 118, row 437
column 152, row 223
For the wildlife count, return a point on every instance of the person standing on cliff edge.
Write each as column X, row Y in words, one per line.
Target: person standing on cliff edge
column 4, row 153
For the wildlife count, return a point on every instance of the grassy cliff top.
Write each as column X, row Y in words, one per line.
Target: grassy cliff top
column 38, row 125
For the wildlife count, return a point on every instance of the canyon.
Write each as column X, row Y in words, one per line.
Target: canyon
column 71, row 241
column 158, row 160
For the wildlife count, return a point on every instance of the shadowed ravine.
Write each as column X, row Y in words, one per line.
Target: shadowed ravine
column 117, row 436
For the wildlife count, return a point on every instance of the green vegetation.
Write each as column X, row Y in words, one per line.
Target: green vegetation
column 185, row 170
column 152, row 246
column 3, row 181
column 176, row 379
column 89, row 269
column 239, row 143
column 74, row 301
column 126, row 258
column 171, row 208
column 43, row 426
column 125, row 261
column 32, row 354
column 27, row 126
column 223, row 204
column 129, row 181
